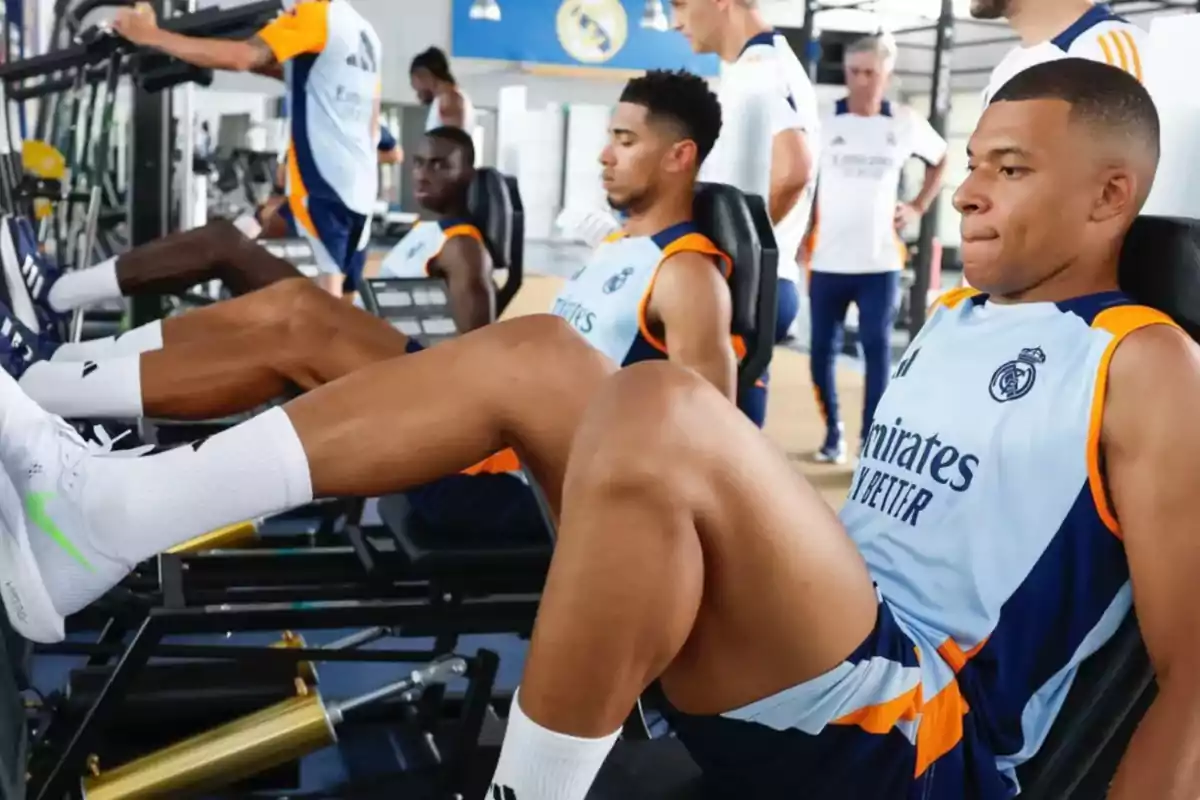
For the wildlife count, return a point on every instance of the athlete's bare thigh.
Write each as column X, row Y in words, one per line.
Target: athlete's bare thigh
column 786, row 596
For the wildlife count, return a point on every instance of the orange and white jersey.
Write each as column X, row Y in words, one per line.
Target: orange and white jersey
column 1099, row 35
column 979, row 506
column 332, row 60
column 414, row 254
column 606, row 300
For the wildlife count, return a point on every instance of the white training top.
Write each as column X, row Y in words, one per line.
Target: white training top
column 605, row 301
column 765, row 92
column 413, row 254
column 434, row 120
column 861, row 160
column 979, row 505
column 1099, row 35
column 332, row 59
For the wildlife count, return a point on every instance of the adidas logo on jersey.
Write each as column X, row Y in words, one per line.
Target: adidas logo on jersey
column 364, row 58
column 34, row 280
column 502, row 793
column 838, row 141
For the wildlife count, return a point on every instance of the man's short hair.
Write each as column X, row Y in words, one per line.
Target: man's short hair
column 457, row 137
column 1101, row 96
column 682, row 99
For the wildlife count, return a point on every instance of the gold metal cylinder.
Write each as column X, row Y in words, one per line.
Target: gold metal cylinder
column 221, row 756
column 230, row 537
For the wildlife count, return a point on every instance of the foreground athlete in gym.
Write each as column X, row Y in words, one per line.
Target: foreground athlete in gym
column 919, row 647
column 657, row 288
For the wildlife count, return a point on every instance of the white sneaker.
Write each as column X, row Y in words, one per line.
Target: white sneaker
column 43, row 527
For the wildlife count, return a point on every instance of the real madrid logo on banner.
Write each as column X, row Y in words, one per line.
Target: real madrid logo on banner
column 592, row 31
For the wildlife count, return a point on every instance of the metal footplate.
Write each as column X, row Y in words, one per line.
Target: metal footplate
column 417, row 307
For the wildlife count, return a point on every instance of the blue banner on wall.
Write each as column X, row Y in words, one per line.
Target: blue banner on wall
column 577, row 33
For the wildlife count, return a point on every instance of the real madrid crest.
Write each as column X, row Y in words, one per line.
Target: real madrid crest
column 1014, row 379
column 592, row 31
column 615, row 283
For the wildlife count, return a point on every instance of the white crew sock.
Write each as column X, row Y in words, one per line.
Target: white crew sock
column 539, row 764
column 108, row 389
column 85, row 287
column 132, row 342
column 134, row 507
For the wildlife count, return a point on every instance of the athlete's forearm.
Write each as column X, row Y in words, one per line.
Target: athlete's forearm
column 226, row 54
column 270, row 71
column 1163, row 759
column 931, row 187
column 718, row 368
column 473, row 303
column 784, row 196
column 791, row 170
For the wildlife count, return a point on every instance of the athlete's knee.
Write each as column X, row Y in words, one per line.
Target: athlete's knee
column 652, row 426
column 224, row 239
column 283, row 304
column 544, row 342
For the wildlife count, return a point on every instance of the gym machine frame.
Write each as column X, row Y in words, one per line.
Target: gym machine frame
column 414, row 615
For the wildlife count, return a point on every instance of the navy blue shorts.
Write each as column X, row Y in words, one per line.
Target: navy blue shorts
column 338, row 236
column 487, row 508
column 872, row 727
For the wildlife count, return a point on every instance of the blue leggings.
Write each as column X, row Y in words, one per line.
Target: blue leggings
column 830, row 295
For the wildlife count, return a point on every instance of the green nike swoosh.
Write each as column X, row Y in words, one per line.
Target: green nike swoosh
column 35, row 507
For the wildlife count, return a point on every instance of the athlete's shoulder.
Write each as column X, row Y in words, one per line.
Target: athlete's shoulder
column 456, row 227
column 953, row 298
column 765, row 46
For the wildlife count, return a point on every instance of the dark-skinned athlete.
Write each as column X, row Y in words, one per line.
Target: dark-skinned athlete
column 287, row 334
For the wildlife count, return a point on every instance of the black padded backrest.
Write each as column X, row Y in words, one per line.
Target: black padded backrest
column 494, row 203
column 1109, row 695
column 1160, row 266
column 738, row 224
column 491, row 209
column 722, row 214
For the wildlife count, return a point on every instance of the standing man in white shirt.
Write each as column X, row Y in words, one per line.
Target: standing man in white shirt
column 1055, row 29
column 431, row 78
column 770, row 112
column 856, row 254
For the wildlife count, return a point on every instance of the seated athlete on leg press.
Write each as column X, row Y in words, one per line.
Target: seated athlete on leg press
column 658, row 287
column 307, row 339
column 919, row 647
